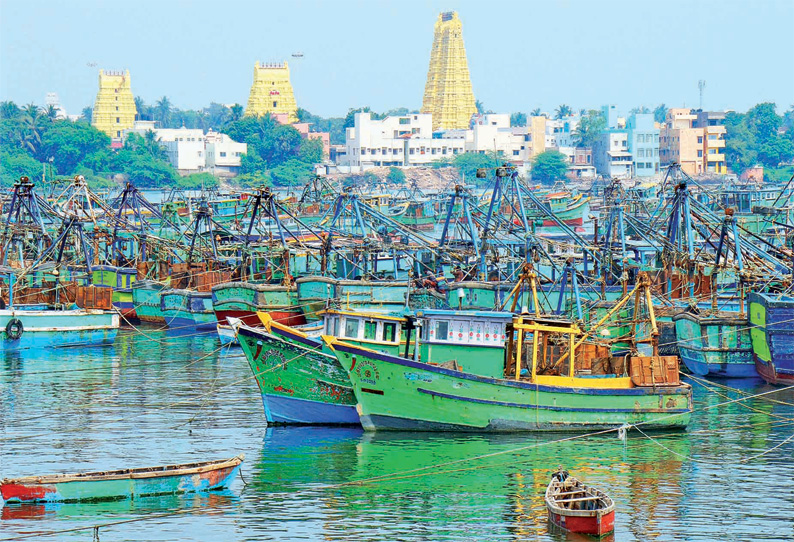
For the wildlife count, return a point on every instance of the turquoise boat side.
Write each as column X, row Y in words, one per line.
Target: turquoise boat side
column 44, row 328
column 715, row 345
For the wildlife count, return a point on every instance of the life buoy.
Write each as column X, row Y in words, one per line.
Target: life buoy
column 14, row 329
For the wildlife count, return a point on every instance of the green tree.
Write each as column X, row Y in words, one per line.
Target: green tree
column 563, row 111
column 87, row 114
column 660, row 113
column 9, row 110
column 396, row 176
column 236, row 112
column 641, row 110
column 163, row 110
column 16, row 165
column 590, row 127
column 536, row 112
column 468, row 163
column 69, row 143
column 311, row 151
column 350, row 118
column 197, row 181
column 549, row 166
column 518, row 119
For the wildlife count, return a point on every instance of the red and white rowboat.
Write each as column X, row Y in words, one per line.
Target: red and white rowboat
column 579, row 508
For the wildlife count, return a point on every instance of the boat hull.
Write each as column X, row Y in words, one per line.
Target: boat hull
column 717, row 346
column 58, row 328
column 299, row 383
column 772, row 335
column 400, row 394
column 596, row 525
column 117, row 486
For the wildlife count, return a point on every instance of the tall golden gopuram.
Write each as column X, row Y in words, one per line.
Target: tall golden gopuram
column 114, row 108
column 448, row 94
column 272, row 92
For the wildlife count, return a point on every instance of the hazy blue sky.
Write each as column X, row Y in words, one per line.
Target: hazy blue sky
column 522, row 54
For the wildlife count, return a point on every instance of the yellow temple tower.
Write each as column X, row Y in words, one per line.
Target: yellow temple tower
column 114, row 108
column 272, row 92
column 448, row 94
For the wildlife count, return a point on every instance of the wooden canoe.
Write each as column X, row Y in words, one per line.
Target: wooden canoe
column 122, row 484
column 579, row 508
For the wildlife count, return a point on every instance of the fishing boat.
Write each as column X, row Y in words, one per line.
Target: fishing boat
column 300, row 379
column 715, row 344
column 122, row 484
column 242, row 300
column 188, row 310
column 496, row 372
column 48, row 326
column 577, row 507
column 772, row 335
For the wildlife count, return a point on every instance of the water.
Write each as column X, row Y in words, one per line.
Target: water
column 162, row 398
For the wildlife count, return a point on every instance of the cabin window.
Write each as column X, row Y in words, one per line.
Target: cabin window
column 440, row 331
column 351, row 328
column 389, row 332
column 370, row 330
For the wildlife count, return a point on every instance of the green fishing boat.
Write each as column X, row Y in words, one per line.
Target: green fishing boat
column 299, row 377
column 541, row 374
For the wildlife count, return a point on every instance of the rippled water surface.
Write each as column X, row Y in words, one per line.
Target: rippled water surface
column 155, row 398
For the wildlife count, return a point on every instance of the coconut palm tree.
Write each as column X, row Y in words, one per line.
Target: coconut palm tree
column 536, row 112
column 51, row 112
column 153, row 146
column 9, row 110
column 162, row 111
column 237, row 112
column 563, row 111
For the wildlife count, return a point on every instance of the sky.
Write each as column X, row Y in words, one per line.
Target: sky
column 522, row 54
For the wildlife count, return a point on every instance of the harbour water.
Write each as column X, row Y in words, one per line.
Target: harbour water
column 157, row 398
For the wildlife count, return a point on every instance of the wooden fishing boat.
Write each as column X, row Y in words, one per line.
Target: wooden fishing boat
column 496, row 372
column 47, row 326
column 577, row 507
column 715, row 344
column 299, row 377
column 772, row 335
column 122, row 484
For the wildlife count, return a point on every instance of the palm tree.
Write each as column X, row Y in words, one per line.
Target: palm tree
column 162, row 110
column 660, row 113
column 140, row 108
column 9, row 110
column 88, row 113
column 51, row 112
column 237, row 112
column 153, row 146
column 536, row 112
column 32, row 110
column 563, row 111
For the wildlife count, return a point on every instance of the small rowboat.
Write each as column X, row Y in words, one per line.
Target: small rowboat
column 122, row 484
column 578, row 508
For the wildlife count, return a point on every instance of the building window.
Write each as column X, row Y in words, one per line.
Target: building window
column 516, row 153
column 405, row 120
column 275, row 104
column 648, row 165
column 625, row 143
column 700, row 154
column 117, row 108
column 118, row 134
column 410, row 151
column 363, row 150
column 117, row 120
column 700, row 140
column 223, row 154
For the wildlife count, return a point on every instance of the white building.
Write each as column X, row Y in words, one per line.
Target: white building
column 409, row 141
column 190, row 150
column 611, row 154
column 223, row 154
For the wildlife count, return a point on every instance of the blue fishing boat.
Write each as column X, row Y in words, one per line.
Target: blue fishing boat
column 772, row 335
column 715, row 344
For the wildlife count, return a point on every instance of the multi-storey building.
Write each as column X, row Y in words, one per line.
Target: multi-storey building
column 271, row 92
column 643, row 141
column 680, row 141
column 611, row 155
column 114, row 109
column 223, row 154
column 713, row 125
column 409, row 140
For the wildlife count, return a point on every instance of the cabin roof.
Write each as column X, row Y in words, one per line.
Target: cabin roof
column 495, row 315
